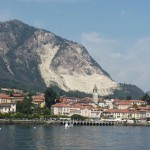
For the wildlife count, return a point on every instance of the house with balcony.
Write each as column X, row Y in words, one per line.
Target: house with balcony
column 60, row 109
column 7, row 107
column 124, row 114
column 125, row 104
column 83, row 109
column 39, row 100
column 4, row 98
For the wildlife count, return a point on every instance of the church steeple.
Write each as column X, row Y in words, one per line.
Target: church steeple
column 95, row 94
column 95, row 88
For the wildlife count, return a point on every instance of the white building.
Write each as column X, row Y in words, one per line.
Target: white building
column 7, row 108
column 125, row 104
column 148, row 114
column 60, row 109
column 95, row 113
column 102, row 103
column 85, row 110
column 109, row 103
column 124, row 114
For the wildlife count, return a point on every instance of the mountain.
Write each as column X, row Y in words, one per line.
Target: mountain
column 148, row 92
column 32, row 58
column 18, row 63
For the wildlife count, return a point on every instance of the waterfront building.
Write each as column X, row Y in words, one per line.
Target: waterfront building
column 126, row 113
column 7, row 107
column 60, row 109
column 96, row 113
column 148, row 114
column 82, row 109
column 7, row 104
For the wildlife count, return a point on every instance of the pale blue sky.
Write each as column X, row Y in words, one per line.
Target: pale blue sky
column 115, row 32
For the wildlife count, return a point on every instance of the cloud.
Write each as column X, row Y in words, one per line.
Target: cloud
column 124, row 64
column 99, row 46
column 95, row 37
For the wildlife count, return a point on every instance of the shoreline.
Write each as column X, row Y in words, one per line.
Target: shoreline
column 26, row 122
column 52, row 122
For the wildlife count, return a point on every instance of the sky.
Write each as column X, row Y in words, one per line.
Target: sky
column 116, row 33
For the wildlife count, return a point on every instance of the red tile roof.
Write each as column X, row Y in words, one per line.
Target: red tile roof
column 120, row 111
column 123, row 103
column 82, row 106
column 17, row 95
column 117, row 110
column 4, row 96
column 136, row 101
column 38, row 97
column 61, row 105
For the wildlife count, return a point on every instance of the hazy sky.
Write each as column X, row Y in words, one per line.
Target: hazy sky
column 115, row 32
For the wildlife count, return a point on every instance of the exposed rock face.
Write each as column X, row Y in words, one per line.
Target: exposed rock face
column 18, row 63
column 68, row 65
column 38, row 59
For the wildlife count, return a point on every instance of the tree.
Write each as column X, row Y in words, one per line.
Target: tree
column 135, row 106
column 77, row 117
column 18, row 115
column 9, row 92
column 128, row 98
column 25, row 106
column 146, row 98
column 46, row 111
column 50, row 97
column 37, row 109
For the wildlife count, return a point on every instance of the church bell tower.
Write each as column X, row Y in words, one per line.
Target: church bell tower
column 95, row 95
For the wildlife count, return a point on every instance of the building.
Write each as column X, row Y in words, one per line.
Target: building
column 39, row 100
column 7, row 104
column 125, row 104
column 60, row 109
column 95, row 95
column 109, row 103
column 7, row 108
column 5, row 98
column 82, row 109
column 125, row 114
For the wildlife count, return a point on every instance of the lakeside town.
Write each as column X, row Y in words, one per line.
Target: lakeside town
column 92, row 108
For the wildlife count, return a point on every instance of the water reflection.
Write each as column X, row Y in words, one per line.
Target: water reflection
column 23, row 137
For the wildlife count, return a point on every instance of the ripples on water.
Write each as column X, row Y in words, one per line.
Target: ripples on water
column 23, row 137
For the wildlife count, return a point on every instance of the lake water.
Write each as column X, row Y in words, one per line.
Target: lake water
column 44, row 137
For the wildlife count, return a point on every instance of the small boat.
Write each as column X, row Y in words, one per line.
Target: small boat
column 66, row 125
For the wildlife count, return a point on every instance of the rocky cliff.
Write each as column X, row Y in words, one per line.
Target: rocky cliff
column 34, row 58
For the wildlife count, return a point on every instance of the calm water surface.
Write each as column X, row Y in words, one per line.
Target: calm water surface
column 26, row 137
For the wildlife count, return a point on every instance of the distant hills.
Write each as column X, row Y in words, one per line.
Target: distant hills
column 148, row 92
column 33, row 59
